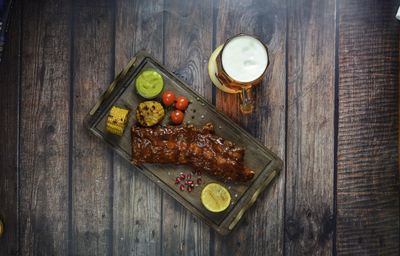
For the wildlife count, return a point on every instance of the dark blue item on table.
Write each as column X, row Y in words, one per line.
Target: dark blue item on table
column 5, row 8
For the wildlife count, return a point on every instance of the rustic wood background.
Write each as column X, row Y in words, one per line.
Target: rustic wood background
column 328, row 107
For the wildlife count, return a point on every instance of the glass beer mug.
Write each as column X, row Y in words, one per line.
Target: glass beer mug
column 238, row 65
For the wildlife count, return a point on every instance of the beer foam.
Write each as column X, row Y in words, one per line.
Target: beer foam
column 244, row 58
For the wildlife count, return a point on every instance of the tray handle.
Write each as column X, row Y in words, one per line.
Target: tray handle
column 252, row 200
column 111, row 87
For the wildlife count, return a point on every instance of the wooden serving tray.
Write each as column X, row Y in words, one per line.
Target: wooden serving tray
column 262, row 161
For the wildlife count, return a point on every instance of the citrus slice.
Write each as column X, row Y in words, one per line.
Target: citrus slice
column 149, row 84
column 215, row 197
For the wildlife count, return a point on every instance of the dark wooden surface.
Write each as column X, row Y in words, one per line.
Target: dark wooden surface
column 368, row 112
column 328, row 106
column 309, row 208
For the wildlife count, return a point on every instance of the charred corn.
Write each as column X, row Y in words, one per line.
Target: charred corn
column 149, row 113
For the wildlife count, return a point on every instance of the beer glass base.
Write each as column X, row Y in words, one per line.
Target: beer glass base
column 212, row 70
column 246, row 109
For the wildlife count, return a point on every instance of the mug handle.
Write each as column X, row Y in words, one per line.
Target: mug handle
column 246, row 95
column 246, row 101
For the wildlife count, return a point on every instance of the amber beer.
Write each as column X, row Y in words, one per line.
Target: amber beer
column 240, row 64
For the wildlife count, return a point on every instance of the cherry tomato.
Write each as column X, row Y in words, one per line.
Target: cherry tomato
column 181, row 103
column 168, row 98
column 177, row 116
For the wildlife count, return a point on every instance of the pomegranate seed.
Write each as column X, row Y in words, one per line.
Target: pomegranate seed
column 186, row 182
column 182, row 176
column 182, row 187
column 178, row 180
column 189, row 189
column 189, row 176
column 199, row 181
column 190, row 182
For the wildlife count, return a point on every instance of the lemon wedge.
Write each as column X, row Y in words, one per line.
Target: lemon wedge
column 215, row 197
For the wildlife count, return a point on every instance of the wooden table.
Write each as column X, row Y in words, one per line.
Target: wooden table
column 328, row 107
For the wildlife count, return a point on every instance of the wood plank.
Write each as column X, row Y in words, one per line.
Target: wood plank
column 261, row 230
column 45, row 128
column 188, row 43
column 9, row 91
column 309, row 221
column 93, row 65
column 137, row 201
column 368, row 189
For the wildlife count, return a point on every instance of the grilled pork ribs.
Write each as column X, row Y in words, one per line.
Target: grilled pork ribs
column 199, row 148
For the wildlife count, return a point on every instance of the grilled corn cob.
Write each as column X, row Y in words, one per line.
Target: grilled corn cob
column 116, row 120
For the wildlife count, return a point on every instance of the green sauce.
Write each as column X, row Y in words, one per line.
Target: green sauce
column 149, row 84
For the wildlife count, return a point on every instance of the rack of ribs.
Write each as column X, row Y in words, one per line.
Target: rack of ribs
column 199, row 148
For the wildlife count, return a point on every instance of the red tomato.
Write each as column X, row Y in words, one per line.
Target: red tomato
column 177, row 116
column 181, row 103
column 168, row 98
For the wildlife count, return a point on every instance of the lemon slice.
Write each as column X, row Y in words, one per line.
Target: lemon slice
column 215, row 198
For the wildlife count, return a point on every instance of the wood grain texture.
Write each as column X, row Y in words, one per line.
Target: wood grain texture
column 137, row 201
column 309, row 221
column 93, row 68
column 250, row 17
column 44, row 128
column 261, row 230
column 368, row 168
column 116, row 210
column 187, row 26
column 9, row 91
